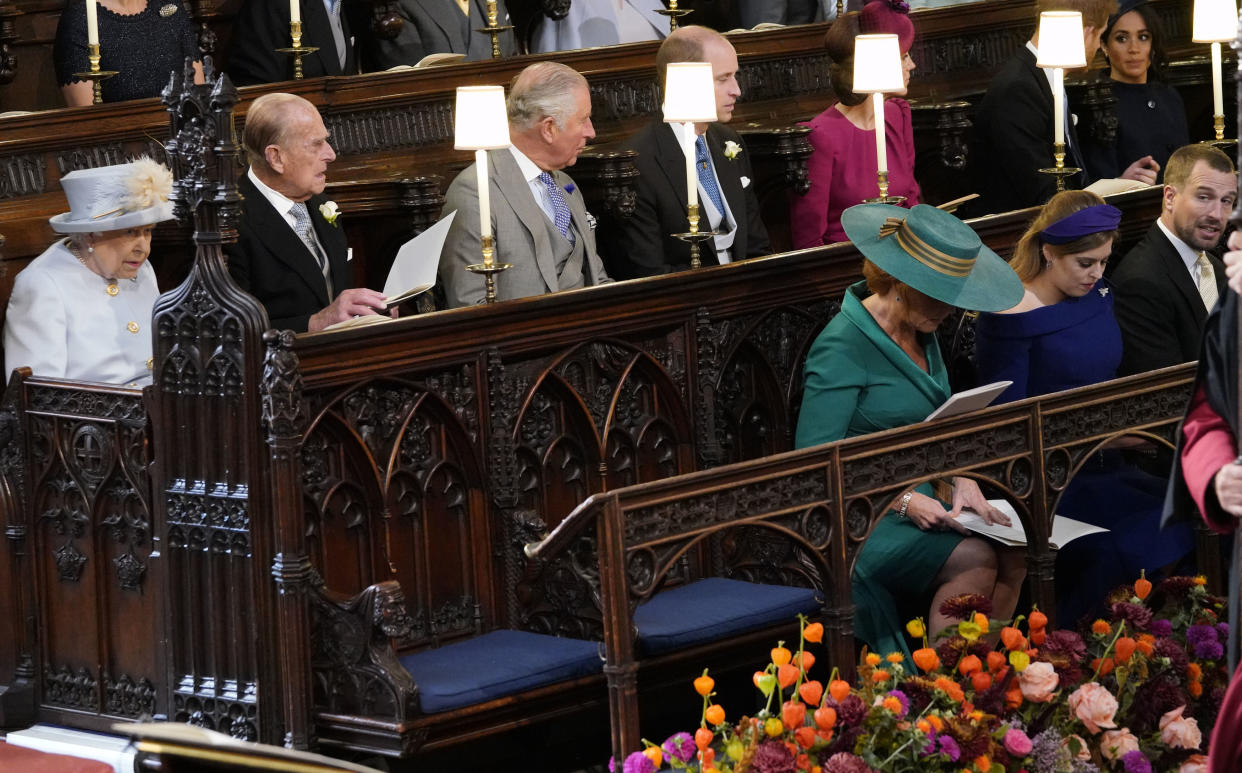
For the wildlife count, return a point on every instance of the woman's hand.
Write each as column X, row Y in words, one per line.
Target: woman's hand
column 966, row 494
column 928, row 514
column 1228, row 483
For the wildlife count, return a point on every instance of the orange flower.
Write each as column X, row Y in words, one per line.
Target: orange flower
column 1200, row 580
column 1124, row 648
column 1194, row 671
column 839, row 689
column 924, row 726
column 873, row 659
column 1012, row 638
column 1037, row 620
column 950, row 688
column 825, row 717
column 1142, row 586
column 715, row 714
column 813, row 633
column 1195, row 688
column 804, row 660
column 1038, row 636
column 980, row 681
column 1101, row 627
column 704, row 684
column 936, row 722
column 982, row 621
column 811, row 691
column 926, row 659
column 894, row 657
column 880, row 675
column 892, row 704
column 969, row 665
column 786, row 674
column 1146, row 644
column 780, row 654
column 996, row 660
column 983, row 764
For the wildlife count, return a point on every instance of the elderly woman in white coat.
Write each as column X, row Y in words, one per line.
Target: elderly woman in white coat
column 602, row 23
column 82, row 309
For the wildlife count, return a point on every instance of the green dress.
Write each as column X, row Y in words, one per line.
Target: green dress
column 858, row 380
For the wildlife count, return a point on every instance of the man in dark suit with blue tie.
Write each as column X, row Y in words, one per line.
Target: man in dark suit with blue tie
column 1013, row 124
column 262, row 26
column 290, row 251
column 642, row 245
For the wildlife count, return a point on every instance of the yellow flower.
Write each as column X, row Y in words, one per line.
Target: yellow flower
column 873, row 659
column 1200, row 580
column 1019, row 660
column 915, row 628
column 968, row 630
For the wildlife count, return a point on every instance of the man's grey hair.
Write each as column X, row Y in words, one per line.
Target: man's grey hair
column 543, row 90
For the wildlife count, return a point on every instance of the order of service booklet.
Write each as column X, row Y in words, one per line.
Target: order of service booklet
column 1064, row 530
column 970, row 400
column 413, row 272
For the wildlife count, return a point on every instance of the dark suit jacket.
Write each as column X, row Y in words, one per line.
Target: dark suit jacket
column 1158, row 305
column 271, row 262
column 641, row 245
column 1013, row 139
column 435, row 27
column 262, row 26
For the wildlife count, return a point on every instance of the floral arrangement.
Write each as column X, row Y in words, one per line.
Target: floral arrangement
column 1134, row 692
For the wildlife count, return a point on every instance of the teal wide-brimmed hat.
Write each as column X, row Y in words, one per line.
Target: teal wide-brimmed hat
column 935, row 253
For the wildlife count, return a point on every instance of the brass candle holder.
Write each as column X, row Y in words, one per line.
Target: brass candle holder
column 95, row 75
column 884, row 198
column 489, row 268
column 1060, row 171
column 494, row 28
column 297, row 50
column 1218, row 124
column 694, row 237
column 673, row 13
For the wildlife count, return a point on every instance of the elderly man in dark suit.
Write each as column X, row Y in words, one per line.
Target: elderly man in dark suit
column 1013, row 124
column 538, row 217
column 642, row 245
column 443, row 27
column 1169, row 282
column 290, row 251
column 262, row 26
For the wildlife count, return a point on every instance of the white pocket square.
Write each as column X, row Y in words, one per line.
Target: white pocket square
column 745, row 181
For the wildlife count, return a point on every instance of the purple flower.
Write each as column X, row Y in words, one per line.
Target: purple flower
column 1162, row 627
column 1137, row 616
column 949, row 748
column 903, row 700
column 1167, row 648
column 1135, row 762
column 569, row 188
column 773, row 757
column 639, row 763
column 1017, row 742
column 1046, row 752
column 930, row 748
column 1223, row 630
column 844, row 762
column 1200, row 633
column 681, row 746
column 1208, row 650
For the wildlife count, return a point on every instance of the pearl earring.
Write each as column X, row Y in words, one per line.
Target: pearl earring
column 90, row 248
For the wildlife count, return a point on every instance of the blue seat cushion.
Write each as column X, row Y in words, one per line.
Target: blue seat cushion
column 715, row 608
column 497, row 664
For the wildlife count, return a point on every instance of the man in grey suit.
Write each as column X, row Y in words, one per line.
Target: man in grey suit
column 442, row 27
column 541, row 224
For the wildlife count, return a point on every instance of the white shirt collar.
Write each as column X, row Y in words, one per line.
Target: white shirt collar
column 530, row 170
column 1188, row 254
column 280, row 202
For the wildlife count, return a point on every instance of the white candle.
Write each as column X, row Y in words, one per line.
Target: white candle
column 485, row 200
column 1218, row 102
column 92, row 24
column 881, row 142
column 295, row 11
column 1058, row 105
column 692, row 176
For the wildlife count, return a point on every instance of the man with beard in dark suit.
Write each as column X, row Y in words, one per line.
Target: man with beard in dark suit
column 1013, row 124
column 262, row 26
column 641, row 245
column 290, row 252
column 1169, row 282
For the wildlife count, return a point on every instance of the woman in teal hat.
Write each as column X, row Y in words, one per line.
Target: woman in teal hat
column 877, row 366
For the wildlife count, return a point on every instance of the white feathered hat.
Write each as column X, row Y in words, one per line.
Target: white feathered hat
column 112, row 198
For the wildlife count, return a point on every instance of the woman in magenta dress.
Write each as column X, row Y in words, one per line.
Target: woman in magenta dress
column 1064, row 335
column 842, row 167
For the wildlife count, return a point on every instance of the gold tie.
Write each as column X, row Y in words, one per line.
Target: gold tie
column 464, row 5
column 1207, row 281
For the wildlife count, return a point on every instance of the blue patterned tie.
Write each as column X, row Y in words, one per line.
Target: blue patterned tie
column 560, row 209
column 706, row 178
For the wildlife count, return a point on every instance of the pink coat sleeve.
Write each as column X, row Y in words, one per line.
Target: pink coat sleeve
column 808, row 213
column 1207, row 445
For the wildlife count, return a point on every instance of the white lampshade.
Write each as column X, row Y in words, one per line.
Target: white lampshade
column 1060, row 40
column 689, row 93
column 1215, row 21
column 877, row 65
column 481, row 122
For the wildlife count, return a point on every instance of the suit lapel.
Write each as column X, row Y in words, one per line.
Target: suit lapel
column 1032, row 71
column 1179, row 276
column 278, row 237
column 448, row 17
column 332, row 239
column 319, row 28
column 516, row 191
column 730, row 186
column 672, row 163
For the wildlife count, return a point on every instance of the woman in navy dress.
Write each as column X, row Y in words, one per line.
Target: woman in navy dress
column 1151, row 119
column 1061, row 336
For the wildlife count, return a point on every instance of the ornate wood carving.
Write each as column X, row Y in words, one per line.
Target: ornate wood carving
column 21, row 174
column 8, row 36
column 607, row 181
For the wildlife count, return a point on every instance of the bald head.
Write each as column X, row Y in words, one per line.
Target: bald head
column 286, row 144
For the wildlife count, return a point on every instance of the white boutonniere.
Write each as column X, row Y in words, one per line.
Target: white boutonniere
column 732, row 150
column 330, row 212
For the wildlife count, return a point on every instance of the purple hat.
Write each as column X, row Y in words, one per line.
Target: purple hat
column 887, row 16
column 1091, row 220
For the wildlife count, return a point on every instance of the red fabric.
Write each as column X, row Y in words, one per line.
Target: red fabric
column 1208, row 445
column 17, row 758
column 1225, row 747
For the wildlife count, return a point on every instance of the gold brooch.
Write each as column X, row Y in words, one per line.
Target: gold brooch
column 168, row 10
column 113, row 289
column 132, row 327
column 150, row 363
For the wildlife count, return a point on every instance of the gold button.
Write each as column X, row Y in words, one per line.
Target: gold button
column 150, row 363
column 113, row 289
column 132, row 327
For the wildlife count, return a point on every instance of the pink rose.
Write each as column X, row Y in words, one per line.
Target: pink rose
column 1083, row 753
column 1115, row 744
column 1038, row 681
column 1017, row 743
column 1196, row 763
column 1094, row 705
column 1180, row 732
